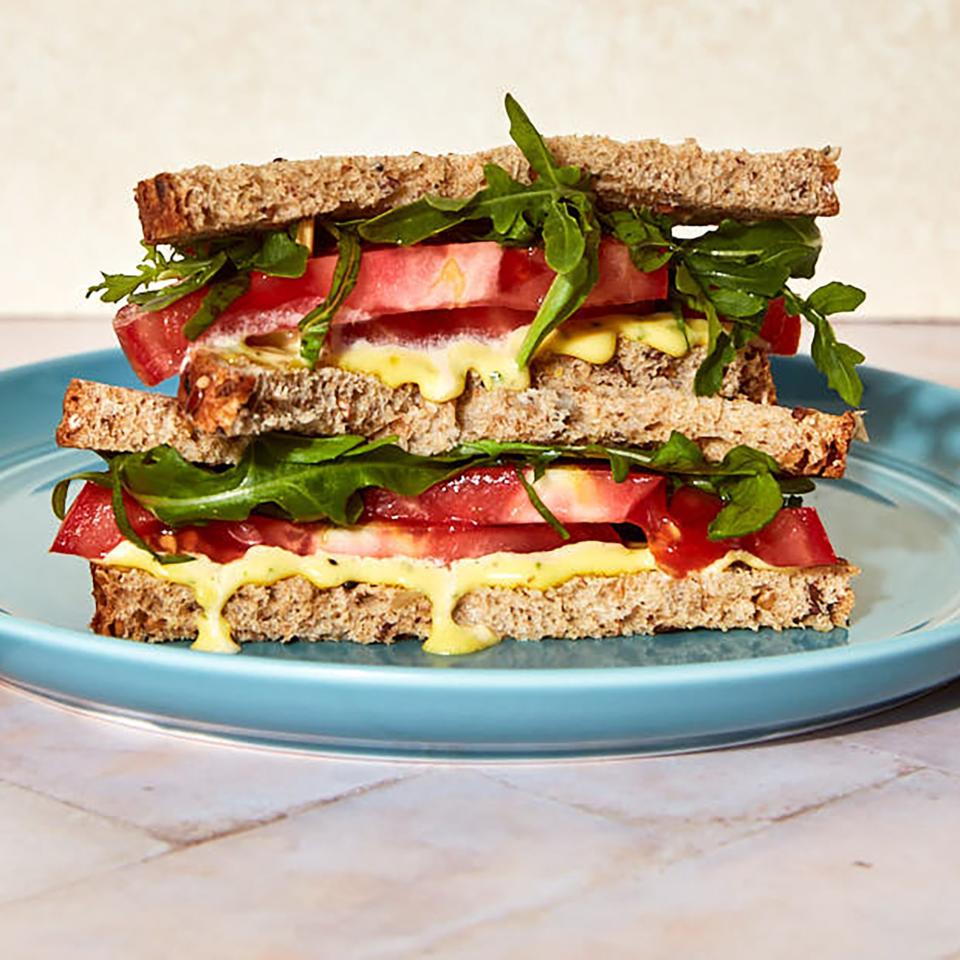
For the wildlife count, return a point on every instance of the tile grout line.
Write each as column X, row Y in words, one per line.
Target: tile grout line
column 915, row 763
column 762, row 826
column 174, row 847
column 249, row 826
column 758, row 825
column 79, row 808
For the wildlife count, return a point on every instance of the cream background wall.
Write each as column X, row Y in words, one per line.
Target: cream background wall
column 94, row 96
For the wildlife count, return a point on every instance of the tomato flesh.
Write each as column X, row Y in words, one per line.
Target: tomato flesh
column 90, row 530
column 780, row 330
column 444, row 278
column 677, row 534
column 487, row 496
column 480, row 515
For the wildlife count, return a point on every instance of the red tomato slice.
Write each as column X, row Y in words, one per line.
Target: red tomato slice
column 780, row 330
column 90, row 530
column 154, row 343
column 392, row 280
column 455, row 541
column 495, row 495
column 677, row 534
column 794, row 538
column 466, row 521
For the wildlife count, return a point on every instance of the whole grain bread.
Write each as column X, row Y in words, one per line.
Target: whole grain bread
column 97, row 416
column 329, row 401
column 133, row 604
column 638, row 398
column 691, row 184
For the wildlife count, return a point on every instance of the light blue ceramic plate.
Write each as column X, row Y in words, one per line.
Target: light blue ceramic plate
column 896, row 514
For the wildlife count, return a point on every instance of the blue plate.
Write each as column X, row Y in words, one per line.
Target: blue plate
column 896, row 514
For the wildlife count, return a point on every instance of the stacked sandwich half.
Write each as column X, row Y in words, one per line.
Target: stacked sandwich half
column 462, row 398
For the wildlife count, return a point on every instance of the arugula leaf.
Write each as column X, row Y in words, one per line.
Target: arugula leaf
column 678, row 455
column 836, row 298
column 563, row 241
column 279, row 255
column 320, row 486
column 119, row 286
column 751, row 503
column 411, row 223
column 315, row 325
column 734, row 271
column 219, row 296
column 646, row 235
column 525, row 135
column 223, row 264
column 837, row 361
column 740, row 266
column 566, row 295
column 540, row 506
column 513, row 208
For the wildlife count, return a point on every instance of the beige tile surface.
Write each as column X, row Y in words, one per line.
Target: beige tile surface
column 45, row 844
column 874, row 875
column 178, row 789
column 388, row 869
column 687, row 803
column 926, row 732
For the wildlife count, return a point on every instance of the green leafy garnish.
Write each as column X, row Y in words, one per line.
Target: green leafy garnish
column 837, row 360
column 306, row 479
column 222, row 264
column 540, row 506
column 557, row 209
column 734, row 271
column 316, row 324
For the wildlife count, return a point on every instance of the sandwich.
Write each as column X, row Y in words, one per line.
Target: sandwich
column 523, row 393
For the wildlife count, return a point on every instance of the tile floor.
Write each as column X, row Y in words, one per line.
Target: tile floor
column 119, row 841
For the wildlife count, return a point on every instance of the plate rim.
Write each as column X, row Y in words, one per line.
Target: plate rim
column 56, row 638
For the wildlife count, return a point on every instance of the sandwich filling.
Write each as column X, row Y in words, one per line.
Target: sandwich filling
column 340, row 511
column 428, row 292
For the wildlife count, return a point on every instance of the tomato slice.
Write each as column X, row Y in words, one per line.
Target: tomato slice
column 393, row 280
column 495, row 495
column 677, row 534
column 90, row 530
column 480, row 512
column 780, row 330
column 794, row 538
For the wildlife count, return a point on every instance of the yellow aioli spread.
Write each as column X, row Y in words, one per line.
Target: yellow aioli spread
column 440, row 372
column 443, row 584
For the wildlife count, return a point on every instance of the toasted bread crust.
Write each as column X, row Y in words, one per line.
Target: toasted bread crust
column 570, row 401
column 133, row 604
column 330, row 401
column 691, row 184
column 97, row 416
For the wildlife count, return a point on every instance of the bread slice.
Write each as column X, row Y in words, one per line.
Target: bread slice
column 639, row 399
column 691, row 184
column 110, row 419
column 330, row 401
column 136, row 605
